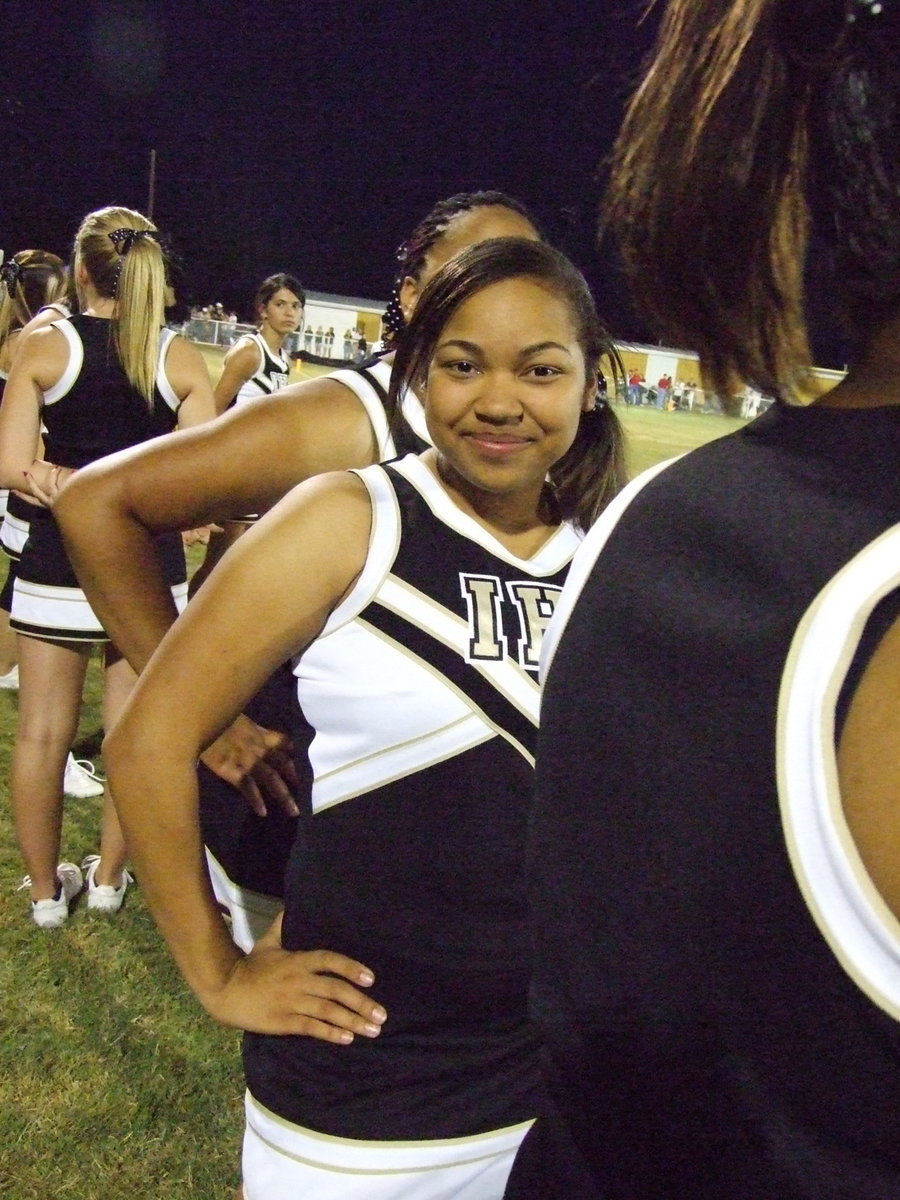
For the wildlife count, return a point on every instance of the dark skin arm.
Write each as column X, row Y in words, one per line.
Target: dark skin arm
column 869, row 768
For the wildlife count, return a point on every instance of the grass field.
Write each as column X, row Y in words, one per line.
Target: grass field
column 112, row 1080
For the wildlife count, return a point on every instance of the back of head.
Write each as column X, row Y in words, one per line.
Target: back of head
column 593, row 469
column 755, row 119
column 120, row 251
column 28, row 281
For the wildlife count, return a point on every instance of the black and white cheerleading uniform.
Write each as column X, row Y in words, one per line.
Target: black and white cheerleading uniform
column 717, row 982
column 272, row 374
column 92, row 411
column 247, row 854
column 16, row 511
column 422, row 690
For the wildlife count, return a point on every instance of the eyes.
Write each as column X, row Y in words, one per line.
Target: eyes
column 465, row 368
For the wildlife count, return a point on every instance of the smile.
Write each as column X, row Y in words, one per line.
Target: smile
column 497, row 443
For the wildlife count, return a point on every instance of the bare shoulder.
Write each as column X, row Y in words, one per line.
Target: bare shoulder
column 184, row 355
column 42, row 354
column 245, row 353
column 332, row 427
column 869, row 767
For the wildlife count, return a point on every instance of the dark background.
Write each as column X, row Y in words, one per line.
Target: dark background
column 310, row 138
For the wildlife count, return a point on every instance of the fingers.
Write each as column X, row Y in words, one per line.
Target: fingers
column 254, row 797
column 274, row 780
column 309, row 993
column 36, row 492
column 257, row 762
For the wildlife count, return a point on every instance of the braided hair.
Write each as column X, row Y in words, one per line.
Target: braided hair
column 412, row 253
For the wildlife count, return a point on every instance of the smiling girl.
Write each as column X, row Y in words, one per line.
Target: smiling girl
column 413, row 598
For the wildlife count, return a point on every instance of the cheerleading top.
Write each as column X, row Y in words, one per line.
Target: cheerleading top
column 93, row 410
column 422, row 691
column 717, row 981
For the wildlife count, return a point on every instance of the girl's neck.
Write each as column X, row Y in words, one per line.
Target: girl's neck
column 95, row 305
column 873, row 381
column 519, row 520
column 273, row 340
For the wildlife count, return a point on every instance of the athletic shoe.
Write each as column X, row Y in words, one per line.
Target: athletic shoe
column 50, row 914
column 10, row 681
column 81, row 781
column 103, row 897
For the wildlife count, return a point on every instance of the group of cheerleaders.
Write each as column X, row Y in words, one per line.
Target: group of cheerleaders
column 681, row 951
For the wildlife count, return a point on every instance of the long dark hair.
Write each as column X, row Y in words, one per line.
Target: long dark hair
column 756, row 118
column 593, row 469
column 273, row 284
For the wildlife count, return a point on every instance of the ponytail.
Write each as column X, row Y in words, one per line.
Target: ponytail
column 140, row 313
column 28, row 281
column 121, row 253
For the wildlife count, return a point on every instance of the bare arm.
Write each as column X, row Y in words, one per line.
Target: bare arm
column 38, row 363
column 241, row 363
column 269, row 597
column 187, row 372
column 243, row 462
column 869, row 768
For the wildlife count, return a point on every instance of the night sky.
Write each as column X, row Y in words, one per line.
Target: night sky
column 310, row 138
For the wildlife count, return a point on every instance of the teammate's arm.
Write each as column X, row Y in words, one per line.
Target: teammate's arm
column 243, row 462
column 869, row 768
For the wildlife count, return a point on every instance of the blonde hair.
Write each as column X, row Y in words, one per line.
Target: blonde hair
column 121, row 254
column 30, row 280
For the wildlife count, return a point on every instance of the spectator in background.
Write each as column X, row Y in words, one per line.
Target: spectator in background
column 635, row 379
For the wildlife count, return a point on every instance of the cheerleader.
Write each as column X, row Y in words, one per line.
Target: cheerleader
column 97, row 382
column 255, row 366
column 337, row 421
column 31, row 281
column 715, row 850
column 412, row 599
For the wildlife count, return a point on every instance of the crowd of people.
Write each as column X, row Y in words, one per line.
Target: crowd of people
column 647, row 947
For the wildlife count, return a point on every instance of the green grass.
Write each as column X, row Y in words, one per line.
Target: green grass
column 654, row 435
column 112, row 1080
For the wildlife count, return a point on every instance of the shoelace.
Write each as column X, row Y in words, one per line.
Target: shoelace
column 89, row 769
column 86, row 865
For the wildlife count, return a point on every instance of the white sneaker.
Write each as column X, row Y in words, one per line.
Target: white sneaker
column 10, row 681
column 81, row 781
column 50, row 914
column 103, row 897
